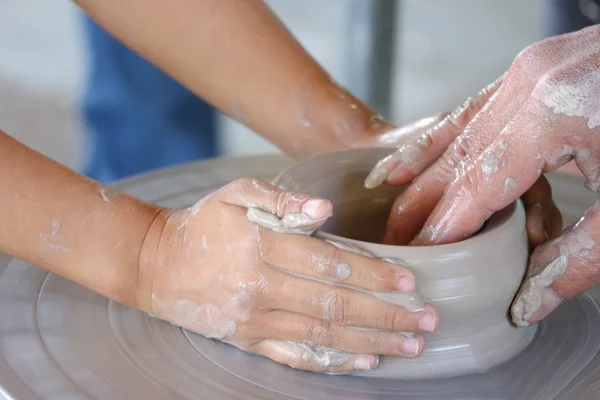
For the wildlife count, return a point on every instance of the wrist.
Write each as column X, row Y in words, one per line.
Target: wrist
column 150, row 257
column 341, row 121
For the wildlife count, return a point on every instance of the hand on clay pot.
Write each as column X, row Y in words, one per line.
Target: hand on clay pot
column 211, row 270
column 539, row 116
column 442, row 151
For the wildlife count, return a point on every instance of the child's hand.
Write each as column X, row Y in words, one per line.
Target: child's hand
column 211, row 270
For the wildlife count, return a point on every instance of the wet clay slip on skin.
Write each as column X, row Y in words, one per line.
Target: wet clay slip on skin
column 59, row 340
column 471, row 283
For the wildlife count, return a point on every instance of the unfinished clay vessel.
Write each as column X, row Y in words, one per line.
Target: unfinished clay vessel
column 471, row 283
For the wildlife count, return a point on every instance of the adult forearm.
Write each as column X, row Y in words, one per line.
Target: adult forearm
column 238, row 56
column 68, row 224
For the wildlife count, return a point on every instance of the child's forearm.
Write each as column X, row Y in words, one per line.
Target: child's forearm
column 238, row 56
column 63, row 222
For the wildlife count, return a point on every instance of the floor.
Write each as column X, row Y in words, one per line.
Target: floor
column 445, row 51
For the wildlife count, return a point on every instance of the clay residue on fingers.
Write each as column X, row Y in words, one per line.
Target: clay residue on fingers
column 589, row 165
column 510, row 185
column 490, row 165
column 579, row 99
column 406, row 155
column 298, row 223
column 536, row 291
column 54, row 241
column 324, row 356
column 321, row 355
column 108, row 195
column 530, row 299
column 380, row 172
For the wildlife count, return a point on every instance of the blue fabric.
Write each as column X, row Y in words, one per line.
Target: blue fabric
column 138, row 119
column 565, row 16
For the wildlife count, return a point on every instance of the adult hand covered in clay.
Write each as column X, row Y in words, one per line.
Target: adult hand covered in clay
column 542, row 114
column 213, row 271
column 420, row 146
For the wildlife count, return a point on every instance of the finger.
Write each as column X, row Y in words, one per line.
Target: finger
column 412, row 158
column 308, row 256
column 251, row 192
column 501, row 174
column 412, row 208
column 350, row 307
column 410, row 132
column 299, row 328
column 543, row 218
column 308, row 358
column 560, row 270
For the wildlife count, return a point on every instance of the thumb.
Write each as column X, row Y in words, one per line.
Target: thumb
column 276, row 208
column 560, row 270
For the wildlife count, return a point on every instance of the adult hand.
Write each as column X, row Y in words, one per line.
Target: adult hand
column 439, row 149
column 543, row 114
column 211, row 270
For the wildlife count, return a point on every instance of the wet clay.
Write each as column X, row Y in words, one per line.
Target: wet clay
column 471, row 284
column 61, row 341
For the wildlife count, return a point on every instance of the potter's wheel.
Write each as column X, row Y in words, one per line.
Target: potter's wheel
column 60, row 341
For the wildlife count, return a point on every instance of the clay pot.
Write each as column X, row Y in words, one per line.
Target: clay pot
column 471, row 283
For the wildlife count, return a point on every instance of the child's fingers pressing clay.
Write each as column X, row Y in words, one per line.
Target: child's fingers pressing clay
column 240, row 266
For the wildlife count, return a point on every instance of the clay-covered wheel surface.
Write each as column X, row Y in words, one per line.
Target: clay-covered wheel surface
column 61, row 341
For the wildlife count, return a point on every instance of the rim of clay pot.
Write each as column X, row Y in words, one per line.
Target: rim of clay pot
column 492, row 233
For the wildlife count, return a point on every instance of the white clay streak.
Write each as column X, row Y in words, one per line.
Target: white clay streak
column 530, row 299
column 298, row 223
column 579, row 99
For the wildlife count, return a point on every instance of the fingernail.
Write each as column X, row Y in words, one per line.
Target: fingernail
column 406, row 284
column 396, row 172
column 411, row 346
column 365, row 363
column 315, row 208
column 550, row 300
column 376, row 177
column 427, row 322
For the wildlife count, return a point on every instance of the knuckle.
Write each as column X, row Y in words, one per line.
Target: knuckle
column 326, row 264
column 461, row 117
column 337, row 308
column 295, row 362
column 531, row 55
column 582, row 276
column 458, row 150
column 241, row 184
column 545, row 81
column 280, row 199
column 526, row 55
column 323, row 334
column 375, row 342
column 379, row 276
column 389, row 317
column 470, row 190
column 246, row 345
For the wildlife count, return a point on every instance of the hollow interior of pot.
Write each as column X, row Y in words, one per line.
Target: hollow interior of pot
column 358, row 213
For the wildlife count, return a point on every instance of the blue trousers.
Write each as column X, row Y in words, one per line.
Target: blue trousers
column 138, row 118
column 564, row 16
